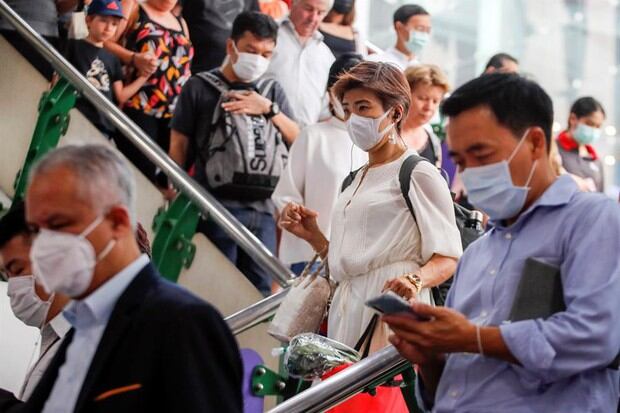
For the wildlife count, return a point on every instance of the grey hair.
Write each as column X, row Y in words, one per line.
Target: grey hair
column 105, row 178
column 330, row 3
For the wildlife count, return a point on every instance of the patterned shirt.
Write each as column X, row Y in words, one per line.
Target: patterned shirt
column 159, row 94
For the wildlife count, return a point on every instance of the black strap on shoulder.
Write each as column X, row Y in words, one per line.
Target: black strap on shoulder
column 349, row 179
column 404, row 177
column 367, row 336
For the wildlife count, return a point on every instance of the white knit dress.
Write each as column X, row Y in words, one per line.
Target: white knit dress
column 374, row 239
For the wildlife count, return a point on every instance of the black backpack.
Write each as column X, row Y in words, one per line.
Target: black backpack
column 467, row 221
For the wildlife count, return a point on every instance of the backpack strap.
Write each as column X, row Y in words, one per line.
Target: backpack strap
column 218, row 84
column 404, row 177
column 349, row 179
column 264, row 87
column 214, row 81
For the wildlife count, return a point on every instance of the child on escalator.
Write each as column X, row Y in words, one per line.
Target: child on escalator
column 100, row 67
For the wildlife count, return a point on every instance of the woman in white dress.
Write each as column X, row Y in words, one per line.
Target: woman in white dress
column 375, row 243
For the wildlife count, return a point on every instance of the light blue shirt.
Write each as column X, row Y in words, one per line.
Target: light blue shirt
column 563, row 358
column 89, row 318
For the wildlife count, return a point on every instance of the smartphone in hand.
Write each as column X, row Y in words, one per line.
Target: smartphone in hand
column 392, row 303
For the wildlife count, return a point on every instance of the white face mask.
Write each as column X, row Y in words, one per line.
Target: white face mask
column 490, row 187
column 364, row 132
column 64, row 262
column 25, row 303
column 249, row 66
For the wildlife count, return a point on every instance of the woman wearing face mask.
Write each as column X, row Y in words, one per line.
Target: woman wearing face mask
column 153, row 30
column 428, row 86
column 374, row 243
column 338, row 31
column 579, row 158
column 319, row 160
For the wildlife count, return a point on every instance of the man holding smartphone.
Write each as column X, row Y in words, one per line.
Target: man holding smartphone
column 474, row 356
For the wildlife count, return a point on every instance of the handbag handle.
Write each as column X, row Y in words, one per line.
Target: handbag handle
column 367, row 336
column 311, row 263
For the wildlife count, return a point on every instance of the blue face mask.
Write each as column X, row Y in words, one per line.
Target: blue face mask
column 417, row 41
column 490, row 188
column 585, row 134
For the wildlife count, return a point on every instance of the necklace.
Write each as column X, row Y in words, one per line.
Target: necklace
column 390, row 159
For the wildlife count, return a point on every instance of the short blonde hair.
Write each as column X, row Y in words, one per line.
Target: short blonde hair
column 428, row 75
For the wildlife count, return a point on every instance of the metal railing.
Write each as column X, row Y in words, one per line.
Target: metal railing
column 323, row 396
column 256, row 313
column 345, row 384
column 203, row 200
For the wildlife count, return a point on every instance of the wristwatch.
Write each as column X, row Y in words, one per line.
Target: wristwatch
column 273, row 110
column 415, row 280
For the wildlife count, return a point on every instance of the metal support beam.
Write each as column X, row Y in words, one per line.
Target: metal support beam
column 174, row 229
column 52, row 124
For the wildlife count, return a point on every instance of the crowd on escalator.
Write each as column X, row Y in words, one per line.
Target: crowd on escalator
column 447, row 221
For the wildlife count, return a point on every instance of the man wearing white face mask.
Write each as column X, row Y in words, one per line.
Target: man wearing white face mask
column 29, row 302
column 532, row 317
column 230, row 102
column 139, row 342
column 412, row 24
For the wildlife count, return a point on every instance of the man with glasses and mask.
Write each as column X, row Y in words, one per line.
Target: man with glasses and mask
column 30, row 303
column 139, row 343
column 412, row 24
column 216, row 108
column 532, row 317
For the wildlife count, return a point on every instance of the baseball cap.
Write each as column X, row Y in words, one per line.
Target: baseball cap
column 105, row 8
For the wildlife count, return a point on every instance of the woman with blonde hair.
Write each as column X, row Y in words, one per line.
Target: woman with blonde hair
column 428, row 85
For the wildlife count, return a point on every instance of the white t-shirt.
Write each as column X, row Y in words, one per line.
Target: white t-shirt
column 319, row 160
column 302, row 70
column 394, row 56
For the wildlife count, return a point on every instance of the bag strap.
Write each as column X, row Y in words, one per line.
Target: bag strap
column 264, row 87
column 404, row 177
column 367, row 336
column 214, row 81
column 311, row 263
column 218, row 84
column 349, row 179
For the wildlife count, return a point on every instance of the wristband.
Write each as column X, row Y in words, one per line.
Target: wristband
column 479, row 340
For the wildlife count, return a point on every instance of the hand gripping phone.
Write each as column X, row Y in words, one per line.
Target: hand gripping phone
column 391, row 303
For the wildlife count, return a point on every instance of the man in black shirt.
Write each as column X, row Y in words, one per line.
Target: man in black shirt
column 249, row 50
column 210, row 23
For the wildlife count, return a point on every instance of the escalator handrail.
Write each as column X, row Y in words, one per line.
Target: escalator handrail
column 345, row 384
column 256, row 313
column 207, row 204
